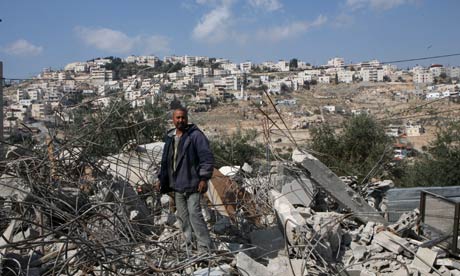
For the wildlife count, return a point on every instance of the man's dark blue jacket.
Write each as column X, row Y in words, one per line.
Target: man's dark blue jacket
column 195, row 161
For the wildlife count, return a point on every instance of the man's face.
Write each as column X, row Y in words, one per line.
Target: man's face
column 180, row 119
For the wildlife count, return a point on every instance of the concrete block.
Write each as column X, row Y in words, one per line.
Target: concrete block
column 247, row 266
column 390, row 241
column 449, row 263
column 221, row 270
column 424, row 260
column 296, row 192
column 287, row 214
column 359, row 251
column 268, row 241
column 280, row 266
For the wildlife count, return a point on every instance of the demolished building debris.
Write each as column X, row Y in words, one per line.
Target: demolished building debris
column 300, row 220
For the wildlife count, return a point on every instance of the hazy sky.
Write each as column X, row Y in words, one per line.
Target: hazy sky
column 52, row 33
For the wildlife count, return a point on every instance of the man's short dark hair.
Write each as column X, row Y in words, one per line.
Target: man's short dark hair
column 181, row 108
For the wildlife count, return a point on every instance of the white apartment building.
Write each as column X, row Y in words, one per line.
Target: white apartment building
column 436, row 70
column 314, row 72
column 264, row 78
column 269, row 65
column 39, row 111
column 336, row 62
column 345, row 76
column 197, row 71
column 228, row 83
column 221, row 72
column 302, row 65
column 374, row 63
column 232, row 67
column 453, row 72
column 101, row 61
column 371, row 74
column 189, row 60
column 19, row 111
column 172, row 59
column 35, row 94
column 77, row 67
column 130, row 84
column 132, row 95
column 245, row 67
column 324, row 79
column 283, row 66
column 99, row 76
column 422, row 76
column 176, row 76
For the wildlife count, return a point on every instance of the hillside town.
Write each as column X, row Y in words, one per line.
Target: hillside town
column 84, row 145
column 308, row 94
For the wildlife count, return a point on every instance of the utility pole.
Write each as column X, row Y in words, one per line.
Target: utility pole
column 1, row 111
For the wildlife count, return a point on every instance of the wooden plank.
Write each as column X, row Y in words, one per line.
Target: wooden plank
column 224, row 195
column 322, row 176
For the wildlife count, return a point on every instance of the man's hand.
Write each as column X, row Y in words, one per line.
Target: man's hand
column 157, row 186
column 202, row 186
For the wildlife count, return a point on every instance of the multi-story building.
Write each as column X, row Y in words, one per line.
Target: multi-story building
column 422, row 76
column 336, row 62
column 345, row 76
column 172, row 59
column 228, row 83
column 324, row 79
column 99, row 76
column 437, row 69
column 283, row 66
column 221, row 72
column 246, row 67
column 371, row 74
column 453, row 72
column 39, row 111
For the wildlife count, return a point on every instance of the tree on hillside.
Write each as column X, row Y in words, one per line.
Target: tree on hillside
column 105, row 131
column 360, row 149
column 439, row 165
column 236, row 149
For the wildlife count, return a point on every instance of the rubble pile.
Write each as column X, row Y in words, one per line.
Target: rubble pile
column 86, row 218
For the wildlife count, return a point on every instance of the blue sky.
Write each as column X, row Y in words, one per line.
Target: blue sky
column 52, row 33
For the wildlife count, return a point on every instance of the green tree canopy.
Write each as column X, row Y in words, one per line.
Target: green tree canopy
column 236, row 149
column 360, row 149
column 439, row 165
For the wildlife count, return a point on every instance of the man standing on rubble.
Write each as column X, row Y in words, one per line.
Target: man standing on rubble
column 186, row 166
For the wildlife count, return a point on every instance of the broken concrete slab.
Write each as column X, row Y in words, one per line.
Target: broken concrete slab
column 296, row 192
column 448, row 263
column 268, row 242
column 322, row 176
column 424, row 260
column 7, row 235
column 221, row 270
column 247, row 266
column 359, row 251
column 287, row 214
column 391, row 242
column 282, row 266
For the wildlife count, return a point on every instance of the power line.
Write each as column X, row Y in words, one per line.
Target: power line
column 421, row 58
